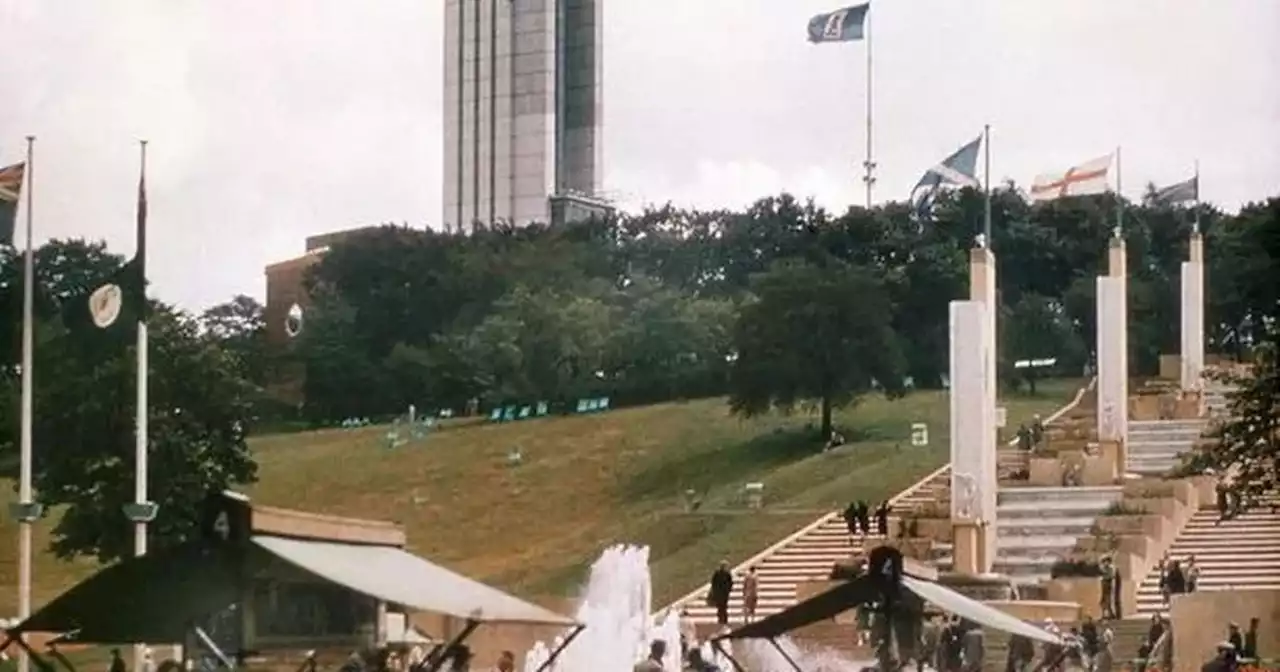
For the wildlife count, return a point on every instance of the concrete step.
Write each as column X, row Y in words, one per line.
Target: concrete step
column 1049, row 495
column 1055, row 509
column 1162, row 448
column 1074, row 526
column 1166, row 435
column 1165, row 425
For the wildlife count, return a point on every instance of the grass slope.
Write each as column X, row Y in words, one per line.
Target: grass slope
column 587, row 482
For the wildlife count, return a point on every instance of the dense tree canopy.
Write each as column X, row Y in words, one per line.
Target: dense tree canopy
column 780, row 304
column 644, row 306
column 200, row 408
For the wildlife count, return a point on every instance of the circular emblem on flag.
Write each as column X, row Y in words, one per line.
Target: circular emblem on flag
column 293, row 321
column 104, row 305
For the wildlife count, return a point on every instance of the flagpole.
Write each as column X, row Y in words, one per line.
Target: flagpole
column 1119, row 196
column 27, row 510
column 1195, row 225
column 986, row 186
column 141, row 513
column 868, row 165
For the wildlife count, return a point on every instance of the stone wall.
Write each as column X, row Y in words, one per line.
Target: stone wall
column 1200, row 622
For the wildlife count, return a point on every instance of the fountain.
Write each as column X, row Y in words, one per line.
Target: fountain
column 616, row 606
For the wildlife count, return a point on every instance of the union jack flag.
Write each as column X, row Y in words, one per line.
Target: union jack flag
column 10, row 191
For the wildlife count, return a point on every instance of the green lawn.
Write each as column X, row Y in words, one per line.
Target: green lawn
column 590, row 481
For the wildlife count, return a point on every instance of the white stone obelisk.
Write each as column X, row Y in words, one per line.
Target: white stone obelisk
column 1113, row 346
column 974, row 480
column 1192, row 355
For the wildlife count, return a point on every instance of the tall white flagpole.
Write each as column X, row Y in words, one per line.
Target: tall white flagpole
column 868, row 164
column 142, row 512
column 27, row 511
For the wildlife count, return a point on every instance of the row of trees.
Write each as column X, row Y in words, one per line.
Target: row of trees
column 777, row 305
column 780, row 302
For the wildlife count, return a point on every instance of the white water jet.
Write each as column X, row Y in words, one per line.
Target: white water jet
column 758, row 655
column 616, row 606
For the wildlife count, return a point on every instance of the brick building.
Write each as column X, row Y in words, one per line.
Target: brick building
column 286, row 286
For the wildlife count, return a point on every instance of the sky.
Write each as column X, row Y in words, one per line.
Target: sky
column 271, row 121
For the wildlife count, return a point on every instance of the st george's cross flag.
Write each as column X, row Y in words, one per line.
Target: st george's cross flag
column 1182, row 192
column 957, row 170
column 10, row 193
column 842, row 25
column 1085, row 179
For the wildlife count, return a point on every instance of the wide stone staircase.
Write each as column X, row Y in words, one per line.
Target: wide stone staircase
column 1037, row 526
column 1155, row 446
column 1240, row 553
column 807, row 555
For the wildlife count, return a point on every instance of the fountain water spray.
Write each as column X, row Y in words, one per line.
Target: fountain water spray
column 616, row 606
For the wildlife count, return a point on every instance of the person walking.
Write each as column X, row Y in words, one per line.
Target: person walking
column 882, row 518
column 721, row 589
column 750, row 595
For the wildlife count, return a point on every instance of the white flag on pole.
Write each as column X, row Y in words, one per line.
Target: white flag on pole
column 1084, row 179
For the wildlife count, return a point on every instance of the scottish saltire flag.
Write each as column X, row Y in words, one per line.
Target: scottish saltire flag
column 842, row 25
column 1182, row 192
column 957, row 170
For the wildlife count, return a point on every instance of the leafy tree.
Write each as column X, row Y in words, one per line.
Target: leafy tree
column 819, row 333
column 239, row 328
column 84, row 420
column 1246, row 447
column 1037, row 327
column 542, row 344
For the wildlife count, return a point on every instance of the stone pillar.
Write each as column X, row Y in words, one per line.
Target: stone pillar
column 1192, row 355
column 1118, row 268
column 973, row 457
column 1113, row 407
column 982, row 287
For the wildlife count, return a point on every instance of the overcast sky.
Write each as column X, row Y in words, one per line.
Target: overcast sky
column 270, row 121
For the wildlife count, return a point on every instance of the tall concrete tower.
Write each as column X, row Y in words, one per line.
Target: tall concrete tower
column 522, row 108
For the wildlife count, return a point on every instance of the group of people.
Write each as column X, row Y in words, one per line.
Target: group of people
column 949, row 644
column 1029, row 437
column 722, row 590
column 1177, row 578
column 857, row 518
column 1085, row 648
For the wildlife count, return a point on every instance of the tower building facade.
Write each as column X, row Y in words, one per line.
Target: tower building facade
column 522, row 107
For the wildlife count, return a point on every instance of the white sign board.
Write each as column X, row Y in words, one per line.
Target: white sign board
column 919, row 434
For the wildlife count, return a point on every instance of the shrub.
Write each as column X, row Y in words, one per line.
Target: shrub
column 1123, row 508
column 1075, row 568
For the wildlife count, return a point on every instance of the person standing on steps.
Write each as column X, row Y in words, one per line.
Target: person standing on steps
column 1108, row 584
column 850, row 516
column 750, row 595
column 864, row 517
column 721, row 589
column 882, row 518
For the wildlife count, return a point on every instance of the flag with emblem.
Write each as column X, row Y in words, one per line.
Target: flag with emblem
column 842, row 25
column 1183, row 192
column 10, row 192
column 113, row 306
column 1085, row 179
column 957, row 170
